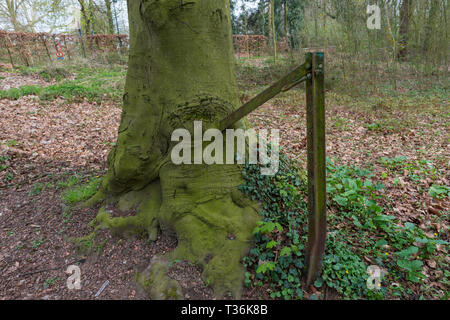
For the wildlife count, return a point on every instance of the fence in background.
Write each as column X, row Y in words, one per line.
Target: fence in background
column 30, row 49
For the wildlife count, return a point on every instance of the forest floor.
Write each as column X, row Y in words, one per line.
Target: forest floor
column 57, row 127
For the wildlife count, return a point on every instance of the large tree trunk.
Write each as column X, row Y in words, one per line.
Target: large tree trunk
column 181, row 69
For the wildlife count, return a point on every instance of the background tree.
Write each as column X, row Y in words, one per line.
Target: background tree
column 430, row 25
column 97, row 16
column 284, row 21
column 295, row 18
column 272, row 28
column 109, row 16
column 404, row 28
column 86, row 16
column 27, row 15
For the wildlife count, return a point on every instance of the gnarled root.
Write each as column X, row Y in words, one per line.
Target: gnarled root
column 213, row 222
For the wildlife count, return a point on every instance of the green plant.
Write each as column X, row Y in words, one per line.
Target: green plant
column 37, row 243
column 12, row 143
column 375, row 126
column 8, row 177
column 36, row 189
column 343, row 270
column 352, row 190
column 372, row 234
column 393, row 163
column 69, row 182
column 99, row 247
column 54, row 73
column 3, row 163
column 418, row 170
column 358, row 231
column 274, row 261
column 340, row 123
column 82, row 192
column 24, row 70
column 67, row 214
column 91, row 85
column 407, row 262
column 51, row 281
column 16, row 93
column 70, row 91
column 174, row 262
column 439, row 192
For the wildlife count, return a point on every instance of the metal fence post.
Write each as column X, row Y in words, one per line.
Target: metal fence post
column 317, row 225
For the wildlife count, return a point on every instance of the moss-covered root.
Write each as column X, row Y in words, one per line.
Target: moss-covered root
column 146, row 202
column 203, row 207
column 156, row 284
column 212, row 220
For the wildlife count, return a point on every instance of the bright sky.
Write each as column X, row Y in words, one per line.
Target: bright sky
column 72, row 15
column 122, row 15
column 247, row 5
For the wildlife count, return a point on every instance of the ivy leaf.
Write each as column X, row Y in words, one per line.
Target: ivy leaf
column 265, row 266
column 408, row 252
column 286, row 252
column 318, row 283
column 271, row 244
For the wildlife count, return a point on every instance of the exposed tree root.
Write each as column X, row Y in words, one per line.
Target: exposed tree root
column 212, row 220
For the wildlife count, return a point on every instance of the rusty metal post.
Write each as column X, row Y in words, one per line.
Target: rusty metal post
column 317, row 225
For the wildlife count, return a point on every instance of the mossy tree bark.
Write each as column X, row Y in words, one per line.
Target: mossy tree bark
column 181, row 69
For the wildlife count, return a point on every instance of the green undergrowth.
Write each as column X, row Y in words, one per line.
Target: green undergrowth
column 93, row 85
column 417, row 170
column 17, row 93
column 389, row 113
column 359, row 235
column 54, row 73
column 76, row 189
column 68, row 90
column 4, row 162
column 26, row 71
column 277, row 257
column 77, row 192
column 251, row 73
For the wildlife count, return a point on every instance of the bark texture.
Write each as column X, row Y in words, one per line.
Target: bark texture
column 181, row 69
